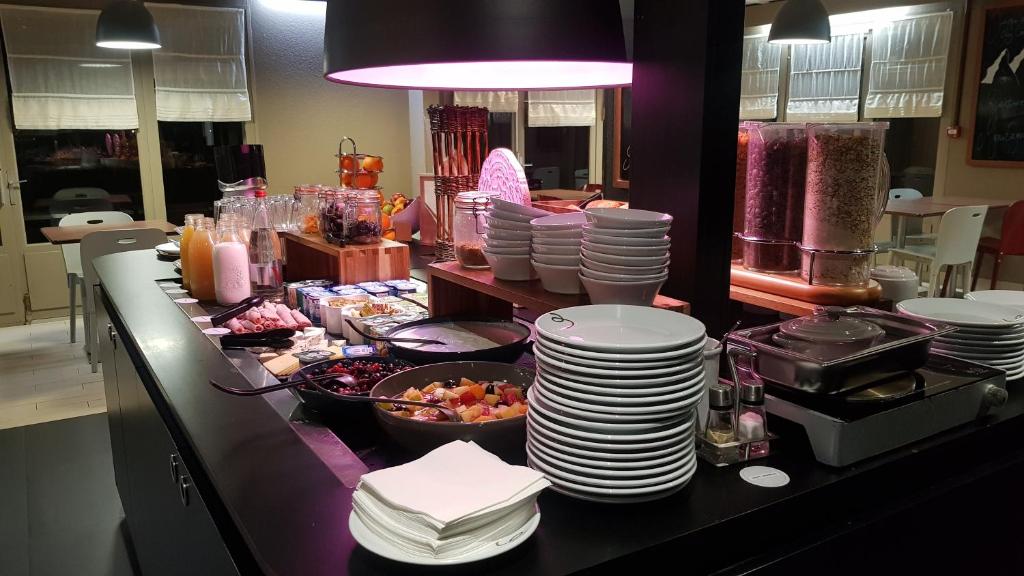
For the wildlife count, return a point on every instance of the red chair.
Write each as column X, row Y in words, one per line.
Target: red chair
column 1011, row 242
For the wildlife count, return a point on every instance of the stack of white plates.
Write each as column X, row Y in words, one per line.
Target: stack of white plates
column 986, row 333
column 625, row 255
column 1011, row 298
column 169, row 249
column 611, row 414
column 555, row 252
column 507, row 242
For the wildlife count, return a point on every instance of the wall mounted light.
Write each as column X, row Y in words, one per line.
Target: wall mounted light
column 476, row 44
column 801, row 22
column 127, row 25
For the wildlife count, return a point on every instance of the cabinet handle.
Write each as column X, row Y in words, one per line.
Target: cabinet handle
column 183, row 486
column 175, row 475
column 110, row 331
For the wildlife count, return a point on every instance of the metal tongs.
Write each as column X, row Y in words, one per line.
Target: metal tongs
column 277, row 339
column 236, row 310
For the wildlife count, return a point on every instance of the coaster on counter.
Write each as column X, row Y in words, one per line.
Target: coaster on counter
column 201, row 319
column 176, row 291
column 764, row 476
column 218, row 331
column 186, row 300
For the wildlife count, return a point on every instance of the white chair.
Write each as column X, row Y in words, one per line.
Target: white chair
column 897, row 194
column 549, row 177
column 80, row 199
column 955, row 246
column 73, row 255
column 96, row 244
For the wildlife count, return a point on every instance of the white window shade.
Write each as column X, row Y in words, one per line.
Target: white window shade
column 561, row 108
column 493, row 101
column 824, row 81
column 908, row 67
column 200, row 68
column 60, row 79
column 759, row 87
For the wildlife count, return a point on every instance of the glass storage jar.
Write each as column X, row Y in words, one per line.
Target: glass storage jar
column 332, row 216
column 847, row 185
column 363, row 216
column 469, row 227
column 306, row 209
column 774, row 205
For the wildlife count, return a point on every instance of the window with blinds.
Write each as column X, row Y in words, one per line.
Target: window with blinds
column 907, row 74
column 759, row 84
column 824, row 80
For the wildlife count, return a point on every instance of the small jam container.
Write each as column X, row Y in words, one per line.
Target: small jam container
column 379, row 291
column 343, row 287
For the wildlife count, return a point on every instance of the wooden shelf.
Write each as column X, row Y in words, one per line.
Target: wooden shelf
column 309, row 256
column 455, row 290
column 789, row 294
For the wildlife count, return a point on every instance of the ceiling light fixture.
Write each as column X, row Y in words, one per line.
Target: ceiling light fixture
column 801, row 22
column 476, row 44
column 127, row 25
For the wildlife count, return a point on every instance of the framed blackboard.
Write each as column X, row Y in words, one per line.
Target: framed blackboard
column 997, row 136
column 622, row 138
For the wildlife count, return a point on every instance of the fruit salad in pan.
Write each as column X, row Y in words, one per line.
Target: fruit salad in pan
column 474, row 401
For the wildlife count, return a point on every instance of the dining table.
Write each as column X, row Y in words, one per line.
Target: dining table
column 74, row 234
column 931, row 206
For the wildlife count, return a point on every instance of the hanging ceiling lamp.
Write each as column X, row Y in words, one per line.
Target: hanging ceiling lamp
column 127, row 25
column 476, row 44
column 801, row 22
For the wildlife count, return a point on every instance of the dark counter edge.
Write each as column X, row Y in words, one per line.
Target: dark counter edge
column 281, row 510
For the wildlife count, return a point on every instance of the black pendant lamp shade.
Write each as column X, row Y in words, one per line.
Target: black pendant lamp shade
column 127, row 25
column 476, row 44
column 801, row 22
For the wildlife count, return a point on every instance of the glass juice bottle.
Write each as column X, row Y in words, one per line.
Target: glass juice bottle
column 186, row 237
column 265, row 272
column 201, row 261
column 230, row 266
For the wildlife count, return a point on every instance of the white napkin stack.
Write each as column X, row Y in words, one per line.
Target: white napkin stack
column 453, row 501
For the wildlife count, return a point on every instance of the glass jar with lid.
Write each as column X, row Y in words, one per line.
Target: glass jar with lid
column 332, row 216
column 363, row 216
column 469, row 227
column 306, row 209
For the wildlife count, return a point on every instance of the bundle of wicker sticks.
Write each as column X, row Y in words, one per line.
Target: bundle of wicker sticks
column 459, row 138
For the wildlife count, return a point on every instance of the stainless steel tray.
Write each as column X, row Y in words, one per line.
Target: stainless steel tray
column 904, row 348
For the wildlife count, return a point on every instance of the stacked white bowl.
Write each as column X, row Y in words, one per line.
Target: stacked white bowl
column 611, row 414
column 507, row 242
column 625, row 255
column 988, row 334
column 555, row 252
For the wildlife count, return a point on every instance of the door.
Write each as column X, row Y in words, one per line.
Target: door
column 12, row 271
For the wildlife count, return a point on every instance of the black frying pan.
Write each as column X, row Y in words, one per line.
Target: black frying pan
column 511, row 340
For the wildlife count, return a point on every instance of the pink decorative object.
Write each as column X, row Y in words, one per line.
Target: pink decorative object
column 503, row 173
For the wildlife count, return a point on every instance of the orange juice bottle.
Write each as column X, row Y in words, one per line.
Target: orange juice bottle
column 201, row 261
column 186, row 237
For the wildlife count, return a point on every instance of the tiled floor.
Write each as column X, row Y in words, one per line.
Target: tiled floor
column 44, row 377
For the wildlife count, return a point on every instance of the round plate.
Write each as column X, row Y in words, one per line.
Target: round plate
column 976, row 355
column 603, row 459
column 679, row 368
column 369, row 540
column 981, row 352
column 653, row 232
column 554, row 460
column 624, row 365
column 561, row 400
column 588, row 355
column 168, row 249
column 694, row 369
column 628, row 450
column 968, row 313
column 552, row 470
column 585, row 424
column 618, row 404
column 661, row 414
column 681, row 387
column 1009, row 298
column 968, row 340
column 630, row 440
column 616, row 495
column 618, row 329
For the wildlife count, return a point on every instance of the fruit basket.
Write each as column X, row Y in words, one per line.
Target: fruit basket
column 355, row 170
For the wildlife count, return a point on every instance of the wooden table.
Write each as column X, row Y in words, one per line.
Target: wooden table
column 455, row 290
column 73, row 234
column 309, row 256
column 932, row 206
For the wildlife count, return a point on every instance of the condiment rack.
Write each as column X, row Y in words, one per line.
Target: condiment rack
column 733, row 452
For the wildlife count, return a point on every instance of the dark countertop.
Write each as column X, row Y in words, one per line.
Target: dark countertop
column 280, row 491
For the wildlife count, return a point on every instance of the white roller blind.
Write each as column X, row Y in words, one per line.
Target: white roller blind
column 759, row 88
column 824, row 80
column 493, row 101
column 908, row 67
column 562, row 108
column 200, row 69
column 60, row 79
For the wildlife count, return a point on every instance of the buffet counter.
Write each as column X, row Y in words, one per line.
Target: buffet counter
column 213, row 483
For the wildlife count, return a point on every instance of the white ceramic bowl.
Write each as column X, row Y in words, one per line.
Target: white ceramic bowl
column 557, row 241
column 653, row 232
column 503, row 234
column 499, row 243
column 505, row 267
column 559, row 279
column 558, row 260
column 567, row 221
column 508, row 225
column 627, row 270
column 663, row 242
column 555, row 250
column 631, row 251
column 633, row 293
column 571, row 233
column 627, row 219
column 617, row 260
column 597, row 275
column 508, row 251
column 506, row 206
column 510, row 216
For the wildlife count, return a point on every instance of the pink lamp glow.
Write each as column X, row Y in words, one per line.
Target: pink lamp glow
column 495, row 75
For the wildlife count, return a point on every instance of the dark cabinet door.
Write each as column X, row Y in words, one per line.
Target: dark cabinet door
column 107, row 341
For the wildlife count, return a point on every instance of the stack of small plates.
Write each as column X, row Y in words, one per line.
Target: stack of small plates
column 507, row 242
column 555, row 252
column 624, row 255
column 169, row 250
column 986, row 333
column 611, row 414
column 1011, row 298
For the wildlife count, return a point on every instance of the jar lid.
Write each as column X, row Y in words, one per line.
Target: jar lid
column 475, row 199
column 888, row 272
column 720, row 396
column 830, row 328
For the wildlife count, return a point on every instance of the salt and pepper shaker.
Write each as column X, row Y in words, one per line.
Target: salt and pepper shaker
column 752, row 421
column 721, row 424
